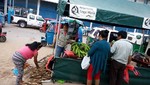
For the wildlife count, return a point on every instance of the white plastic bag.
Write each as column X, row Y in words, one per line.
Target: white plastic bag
column 85, row 63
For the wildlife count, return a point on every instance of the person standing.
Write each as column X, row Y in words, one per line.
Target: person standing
column 62, row 40
column 121, row 56
column 22, row 55
column 80, row 34
column 98, row 54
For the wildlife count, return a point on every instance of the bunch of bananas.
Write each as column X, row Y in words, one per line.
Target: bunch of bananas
column 80, row 49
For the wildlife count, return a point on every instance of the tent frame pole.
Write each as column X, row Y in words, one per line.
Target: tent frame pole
column 142, row 41
column 57, row 35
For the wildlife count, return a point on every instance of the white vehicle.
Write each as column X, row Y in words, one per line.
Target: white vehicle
column 147, row 52
column 112, row 35
column 30, row 20
column 137, row 38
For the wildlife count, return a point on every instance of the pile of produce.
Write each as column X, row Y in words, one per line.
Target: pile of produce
column 34, row 76
column 80, row 49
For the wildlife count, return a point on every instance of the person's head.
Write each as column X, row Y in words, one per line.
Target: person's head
column 103, row 34
column 122, row 35
column 34, row 46
column 65, row 27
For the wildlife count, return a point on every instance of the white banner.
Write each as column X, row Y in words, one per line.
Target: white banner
column 82, row 12
column 146, row 23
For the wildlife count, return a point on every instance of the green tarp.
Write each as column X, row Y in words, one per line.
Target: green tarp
column 70, row 70
column 117, row 12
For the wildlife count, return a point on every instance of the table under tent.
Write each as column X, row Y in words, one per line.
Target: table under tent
column 113, row 12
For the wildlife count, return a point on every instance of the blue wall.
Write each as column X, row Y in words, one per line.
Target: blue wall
column 20, row 3
column 32, row 4
column 48, row 10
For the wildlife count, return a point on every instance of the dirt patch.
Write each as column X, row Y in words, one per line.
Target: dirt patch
column 34, row 76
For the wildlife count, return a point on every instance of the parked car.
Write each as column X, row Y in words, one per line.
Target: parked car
column 137, row 38
column 29, row 20
column 2, row 19
column 93, row 35
column 112, row 35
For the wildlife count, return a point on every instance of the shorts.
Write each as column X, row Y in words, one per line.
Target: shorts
column 90, row 71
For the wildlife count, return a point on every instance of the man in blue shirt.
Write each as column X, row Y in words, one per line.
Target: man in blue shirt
column 80, row 33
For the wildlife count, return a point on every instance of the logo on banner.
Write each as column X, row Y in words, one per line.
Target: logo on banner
column 83, row 12
column 75, row 10
column 146, row 23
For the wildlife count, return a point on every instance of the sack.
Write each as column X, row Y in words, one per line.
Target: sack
column 68, row 47
column 69, row 53
column 85, row 63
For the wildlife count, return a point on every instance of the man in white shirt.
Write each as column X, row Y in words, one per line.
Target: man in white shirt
column 122, row 51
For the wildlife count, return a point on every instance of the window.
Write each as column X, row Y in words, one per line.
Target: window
column 32, row 17
column 148, row 2
column 129, row 38
column 91, row 31
column 113, row 36
column 96, row 33
column 39, row 18
column 140, row 1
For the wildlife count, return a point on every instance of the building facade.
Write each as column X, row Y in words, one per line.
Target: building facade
column 42, row 7
column 46, row 8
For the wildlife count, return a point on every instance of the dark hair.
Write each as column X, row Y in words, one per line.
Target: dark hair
column 34, row 46
column 66, row 24
column 104, row 33
column 123, row 34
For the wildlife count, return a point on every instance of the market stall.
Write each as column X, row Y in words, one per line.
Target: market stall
column 108, row 12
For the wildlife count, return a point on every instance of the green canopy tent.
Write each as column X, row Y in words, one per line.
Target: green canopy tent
column 116, row 12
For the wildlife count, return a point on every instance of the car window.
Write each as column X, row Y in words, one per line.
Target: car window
column 32, row 17
column 130, row 38
column 113, row 36
column 91, row 31
column 96, row 33
column 39, row 18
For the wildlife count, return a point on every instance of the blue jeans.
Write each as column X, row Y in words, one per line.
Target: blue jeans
column 59, row 50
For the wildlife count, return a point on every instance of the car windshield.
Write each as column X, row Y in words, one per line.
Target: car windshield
column 91, row 31
column 113, row 36
column 39, row 18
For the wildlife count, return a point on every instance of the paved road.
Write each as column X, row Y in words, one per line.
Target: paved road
column 16, row 38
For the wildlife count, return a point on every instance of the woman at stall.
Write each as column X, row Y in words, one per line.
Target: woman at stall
column 98, row 54
column 22, row 55
column 62, row 40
